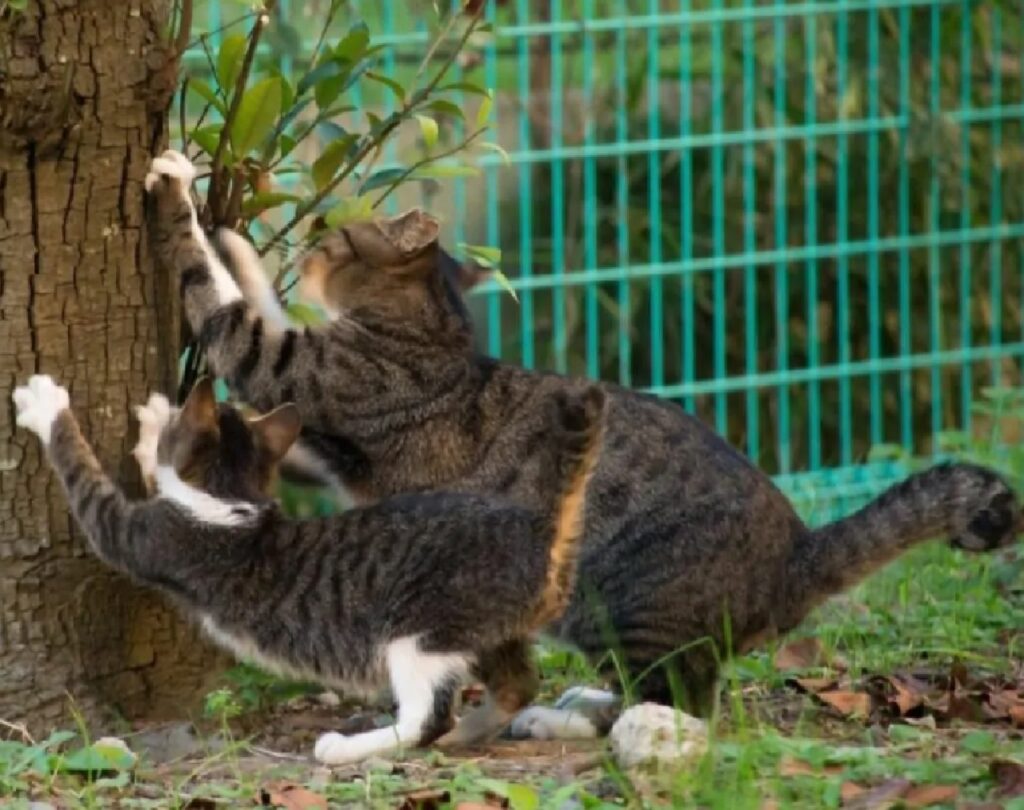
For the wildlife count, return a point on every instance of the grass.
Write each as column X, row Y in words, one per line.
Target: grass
column 773, row 746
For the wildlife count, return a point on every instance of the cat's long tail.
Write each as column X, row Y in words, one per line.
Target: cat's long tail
column 969, row 504
column 579, row 434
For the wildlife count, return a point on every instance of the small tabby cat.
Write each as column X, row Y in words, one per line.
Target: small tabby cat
column 421, row 591
column 691, row 552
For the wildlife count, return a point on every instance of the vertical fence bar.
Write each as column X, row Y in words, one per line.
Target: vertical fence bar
column 525, row 190
column 622, row 202
column 387, row 21
column 687, row 328
column 906, row 392
column 493, row 209
column 557, row 196
column 718, row 215
column 654, row 198
column 781, row 240
column 842, row 235
column 811, row 238
column 995, row 267
column 750, row 234
column 591, row 211
column 874, row 305
column 965, row 211
column 934, row 256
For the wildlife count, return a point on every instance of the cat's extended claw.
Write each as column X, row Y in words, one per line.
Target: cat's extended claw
column 39, row 403
column 171, row 166
column 153, row 417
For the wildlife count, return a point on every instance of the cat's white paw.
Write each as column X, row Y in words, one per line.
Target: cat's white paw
column 171, row 165
column 333, row 748
column 153, row 417
column 39, row 403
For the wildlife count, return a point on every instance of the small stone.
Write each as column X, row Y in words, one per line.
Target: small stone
column 119, row 744
column 651, row 734
column 328, row 699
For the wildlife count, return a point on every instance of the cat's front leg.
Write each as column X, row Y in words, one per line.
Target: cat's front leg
column 153, row 418
column 180, row 242
column 424, row 685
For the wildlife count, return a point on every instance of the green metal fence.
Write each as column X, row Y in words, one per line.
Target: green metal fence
column 802, row 221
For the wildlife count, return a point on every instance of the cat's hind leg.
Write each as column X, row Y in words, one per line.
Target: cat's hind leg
column 510, row 677
column 424, row 685
column 580, row 713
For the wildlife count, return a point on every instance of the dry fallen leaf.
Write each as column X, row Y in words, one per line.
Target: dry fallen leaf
column 426, row 799
column 1017, row 716
column 851, row 704
column 789, row 766
column 814, row 685
column 1009, row 777
column 880, row 796
column 905, row 696
column 290, row 796
column 927, row 795
column 800, row 654
column 850, row 790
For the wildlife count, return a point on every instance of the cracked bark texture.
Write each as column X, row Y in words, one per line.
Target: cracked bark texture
column 84, row 90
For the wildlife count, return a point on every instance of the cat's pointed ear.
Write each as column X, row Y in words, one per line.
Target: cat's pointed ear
column 278, row 430
column 200, row 409
column 392, row 240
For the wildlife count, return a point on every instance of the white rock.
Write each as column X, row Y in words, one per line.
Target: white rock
column 328, row 699
column 651, row 734
column 119, row 744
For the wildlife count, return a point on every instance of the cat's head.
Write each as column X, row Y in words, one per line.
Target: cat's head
column 215, row 448
column 391, row 267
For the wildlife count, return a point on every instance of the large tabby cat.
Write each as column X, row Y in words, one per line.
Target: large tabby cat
column 690, row 552
column 418, row 590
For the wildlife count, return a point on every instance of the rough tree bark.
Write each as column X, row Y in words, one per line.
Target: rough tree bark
column 84, row 90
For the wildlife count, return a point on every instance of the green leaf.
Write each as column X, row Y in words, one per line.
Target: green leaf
column 484, row 254
column 304, row 314
column 523, row 797
column 18, row 5
column 505, row 284
column 328, row 68
column 352, row 209
column 979, row 742
column 259, row 109
column 263, row 201
column 439, row 171
column 428, row 127
column 204, row 91
column 388, row 82
column 287, row 145
column 326, row 166
column 493, row 147
column 207, row 138
column 328, row 90
column 385, row 177
column 465, row 87
column 229, row 61
column 96, row 759
column 446, row 109
column 353, row 44
column 484, row 110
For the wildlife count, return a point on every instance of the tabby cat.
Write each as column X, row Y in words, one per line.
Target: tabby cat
column 420, row 591
column 691, row 552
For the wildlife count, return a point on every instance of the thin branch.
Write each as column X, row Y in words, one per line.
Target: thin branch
column 437, row 42
column 181, row 115
column 238, row 20
column 426, row 161
column 372, row 142
column 184, row 27
column 236, row 101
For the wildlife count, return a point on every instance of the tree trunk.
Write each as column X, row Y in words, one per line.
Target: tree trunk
column 84, row 91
